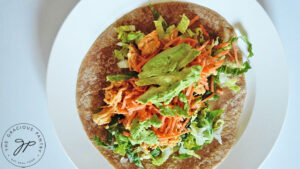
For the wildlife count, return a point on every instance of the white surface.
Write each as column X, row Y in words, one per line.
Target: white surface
column 27, row 30
column 268, row 111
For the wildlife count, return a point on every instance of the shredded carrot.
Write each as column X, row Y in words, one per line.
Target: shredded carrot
column 190, row 96
column 129, row 118
column 184, row 124
column 222, row 45
column 212, row 84
column 206, row 35
column 163, row 42
column 123, row 104
column 121, row 111
column 169, row 125
column 125, row 133
column 203, row 46
column 172, row 125
column 190, row 41
column 171, row 42
column 131, row 81
column 209, row 97
column 136, row 108
column 194, row 20
column 231, row 57
column 221, row 54
column 163, row 126
column 189, row 89
column 154, row 108
column 211, row 46
column 235, row 55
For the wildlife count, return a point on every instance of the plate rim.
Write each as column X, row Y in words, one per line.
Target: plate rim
column 51, row 58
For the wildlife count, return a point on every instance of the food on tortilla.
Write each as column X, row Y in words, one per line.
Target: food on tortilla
column 164, row 88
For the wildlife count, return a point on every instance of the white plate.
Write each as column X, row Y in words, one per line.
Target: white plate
column 267, row 81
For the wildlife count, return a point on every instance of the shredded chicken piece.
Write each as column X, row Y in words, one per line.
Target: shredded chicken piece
column 115, row 85
column 113, row 93
column 173, row 34
column 165, row 143
column 149, row 44
column 132, row 55
column 200, row 89
column 113, row 96
column 104, row 116
column 197, row 106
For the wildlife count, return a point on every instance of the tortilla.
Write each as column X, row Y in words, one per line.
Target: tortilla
column 99, row 62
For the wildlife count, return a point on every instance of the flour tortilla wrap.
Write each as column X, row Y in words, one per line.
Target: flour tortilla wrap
column 99, row 62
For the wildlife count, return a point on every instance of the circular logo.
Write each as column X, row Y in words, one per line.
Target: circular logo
column 23, row 145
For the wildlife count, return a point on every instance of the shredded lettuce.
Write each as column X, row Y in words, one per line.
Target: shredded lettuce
column 245, row 39
column 122, row 44
column 135, row 36
column 122, row 144
column 132, row 36
column 191, row 33
column 183, row 150
column 199, row 134
column 156, row 152
column 228, row 47
column 122, row 36
column 182, row 156
column 217, row 41
column 224, row 80
column 122, row 76
column 140, row 134
column 139, row 37
column 235, row 71
column 125, row 28
column 203, row 130
column 190, row 142
column 176, row 110
column 102, row 144
column 121, row 54
column 199, row 35
column 244, row 67
column 170, row 29
column 218, row 127
column 183, row 24
column 231, row 84
column 159, row 160
column 134, row 158
column 157, row 15
column 128, row 34
column 159, row 27
column 123, row 64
